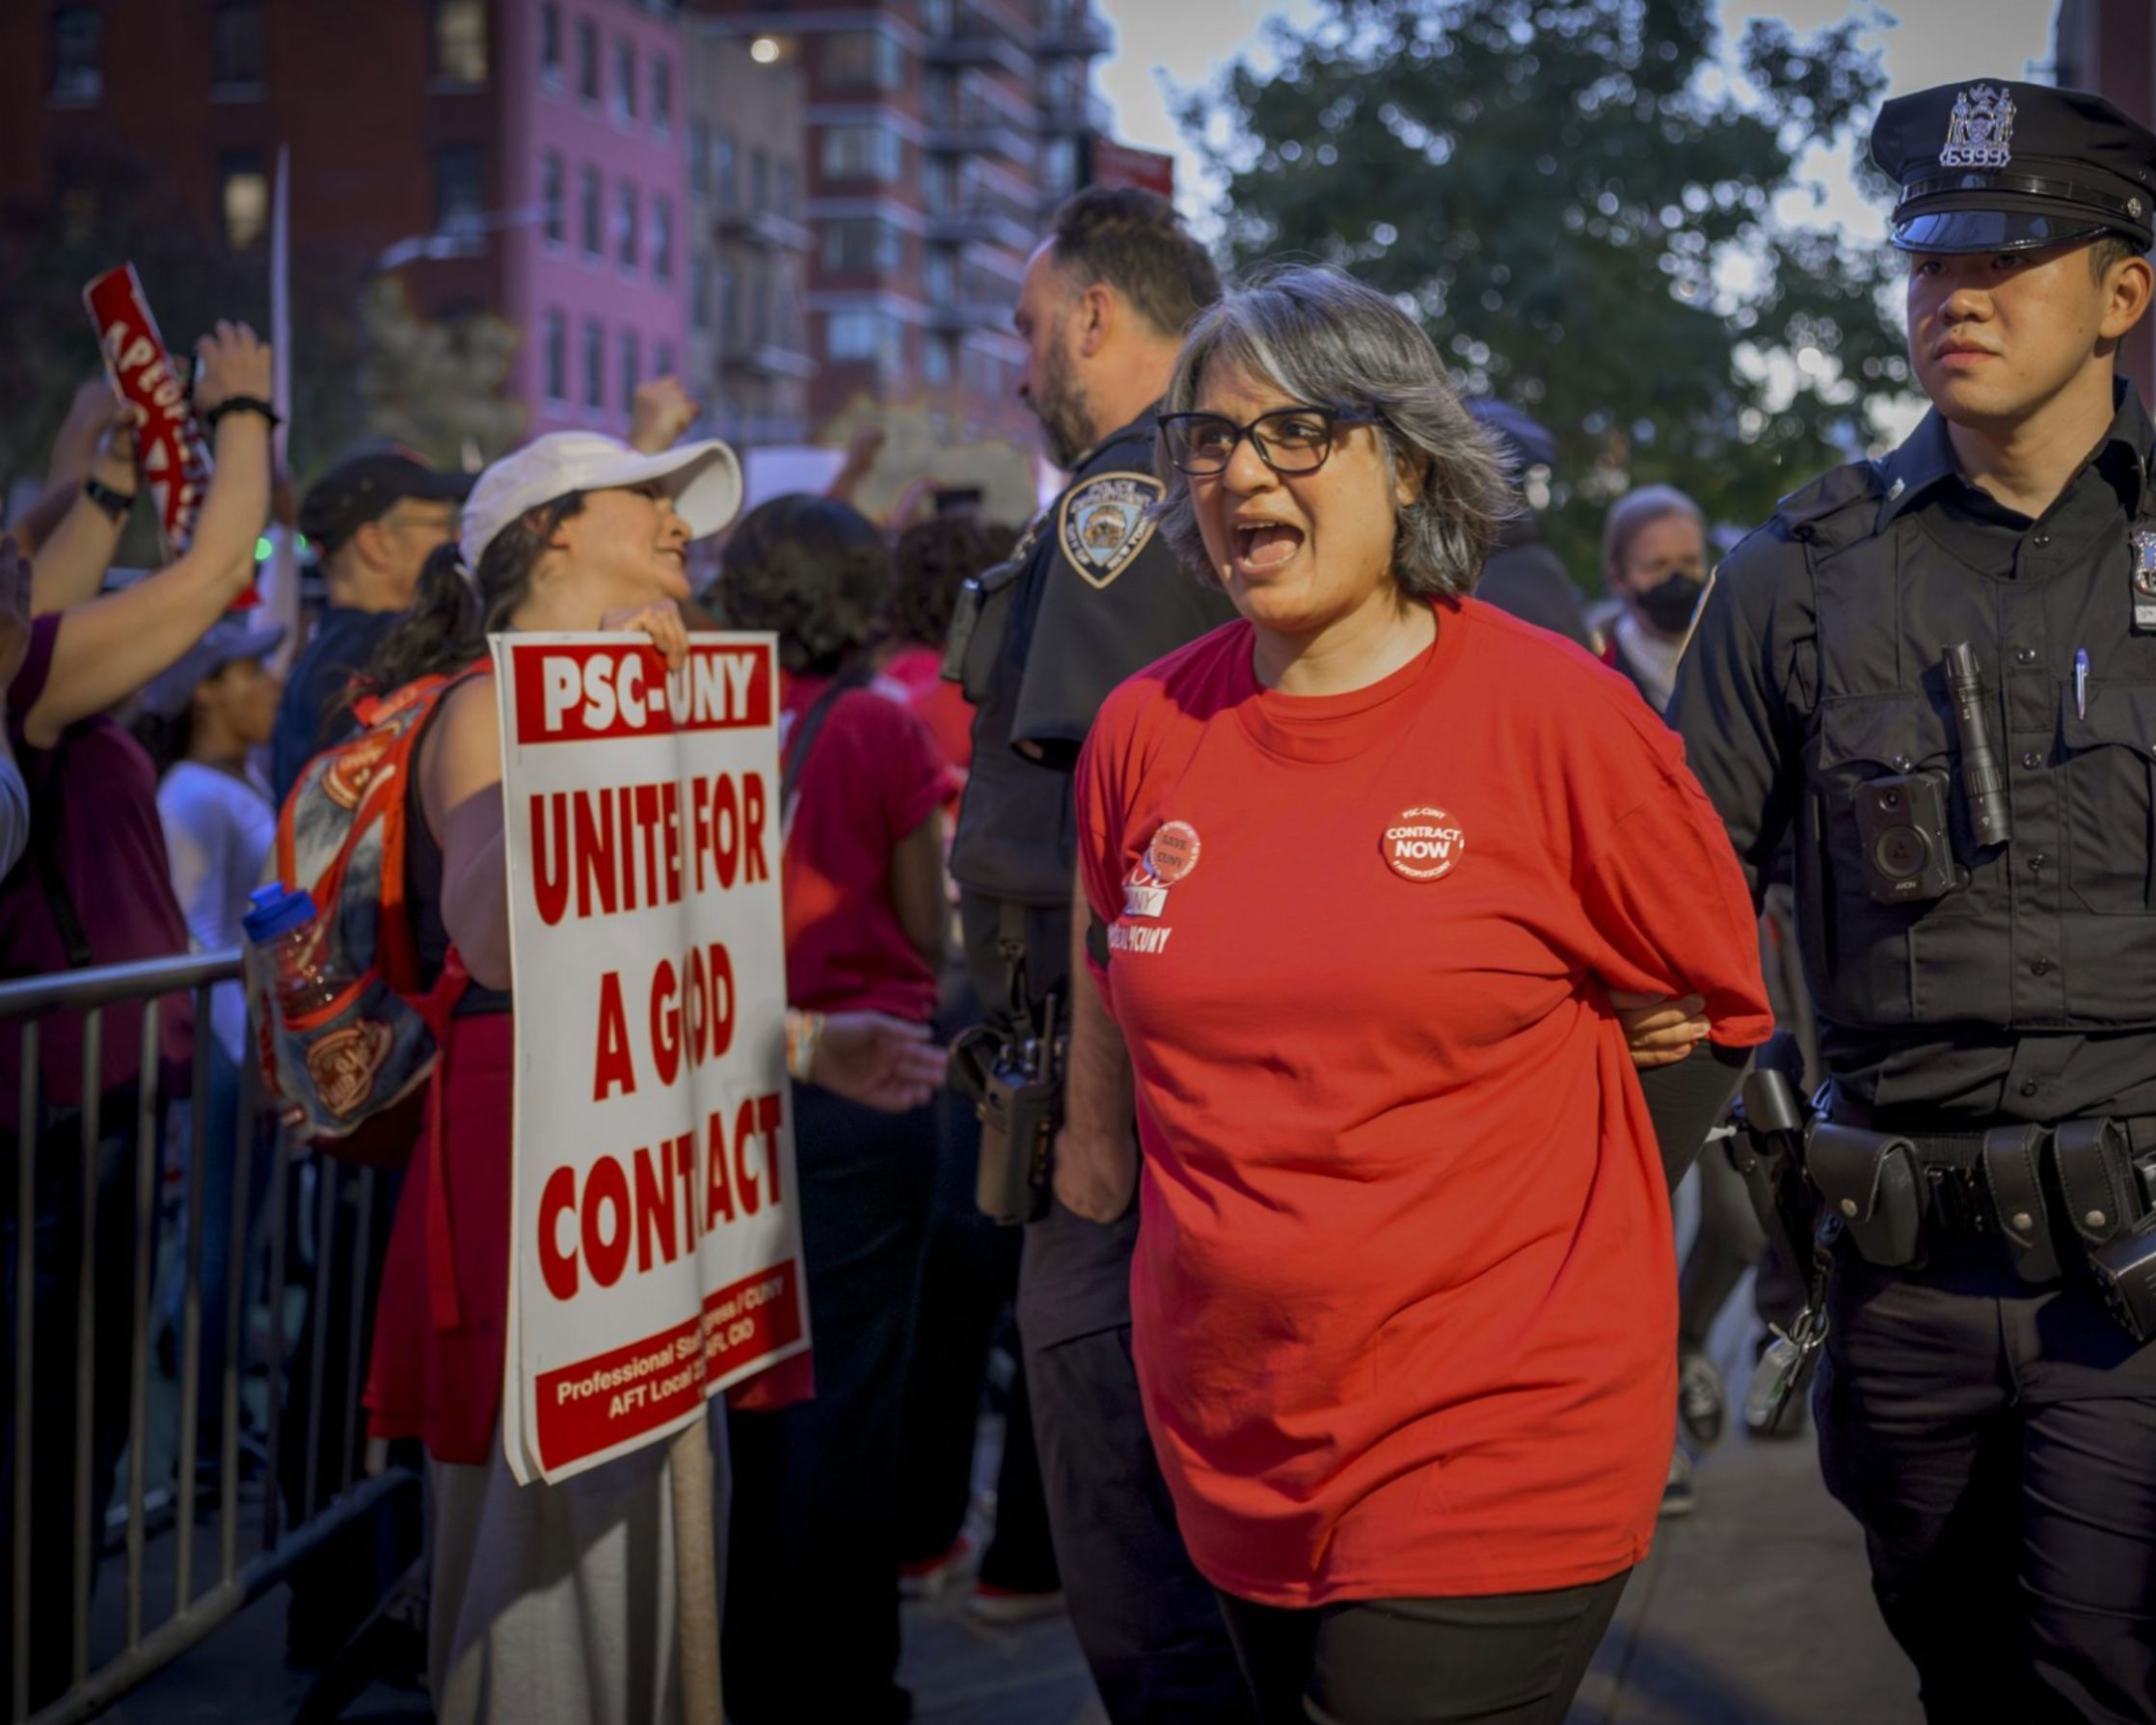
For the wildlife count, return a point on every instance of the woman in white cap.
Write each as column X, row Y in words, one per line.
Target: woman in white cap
column 548, row 1602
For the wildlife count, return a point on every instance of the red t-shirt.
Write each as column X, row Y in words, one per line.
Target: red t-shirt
column 916, row 675
column 1404, row 1301
column 873, row 777
column 110, row 847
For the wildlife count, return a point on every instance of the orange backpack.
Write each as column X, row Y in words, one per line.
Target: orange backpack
column 351, row 1075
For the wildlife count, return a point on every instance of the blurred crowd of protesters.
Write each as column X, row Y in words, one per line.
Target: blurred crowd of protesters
column 149, row 742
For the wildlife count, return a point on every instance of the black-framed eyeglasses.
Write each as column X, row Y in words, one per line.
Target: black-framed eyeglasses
column 1288, row 439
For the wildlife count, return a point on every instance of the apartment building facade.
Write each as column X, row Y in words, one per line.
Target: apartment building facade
column 936, row 134
column 520, row 157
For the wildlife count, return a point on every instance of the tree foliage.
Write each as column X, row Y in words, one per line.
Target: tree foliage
column 436, row 387
column 1579, row 209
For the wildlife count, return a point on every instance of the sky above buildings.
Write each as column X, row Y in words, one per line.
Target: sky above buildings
column 1159, row 46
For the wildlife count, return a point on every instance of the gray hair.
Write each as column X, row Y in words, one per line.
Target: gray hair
column 1640, row 508
column 1328, row 340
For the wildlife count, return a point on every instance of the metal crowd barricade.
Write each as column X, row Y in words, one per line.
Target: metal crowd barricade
column 198, row 1603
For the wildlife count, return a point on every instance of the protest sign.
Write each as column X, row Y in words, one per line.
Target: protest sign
column 656, row 1253
column 169, row 443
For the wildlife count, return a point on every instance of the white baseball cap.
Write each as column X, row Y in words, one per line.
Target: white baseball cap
column 703, row 479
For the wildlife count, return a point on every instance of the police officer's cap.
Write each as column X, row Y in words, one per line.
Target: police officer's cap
column 2001, row 167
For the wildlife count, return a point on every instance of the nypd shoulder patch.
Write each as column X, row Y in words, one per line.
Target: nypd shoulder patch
column 1105, row 522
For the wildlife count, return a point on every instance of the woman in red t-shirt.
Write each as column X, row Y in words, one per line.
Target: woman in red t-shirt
column 812, row 1631
column 1365, row 869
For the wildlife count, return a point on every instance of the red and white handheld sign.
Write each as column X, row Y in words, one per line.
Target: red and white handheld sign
column 170, row 445
column 656, row 1253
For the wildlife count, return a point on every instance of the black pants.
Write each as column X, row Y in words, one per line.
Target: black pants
column 1512, row 1659
column 1998, row 1444
column 1149, row 1623
column 812, row 1596
column 968, row 1283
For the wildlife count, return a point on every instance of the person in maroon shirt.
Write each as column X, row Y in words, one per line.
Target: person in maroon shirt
column 95, row 889
column 815, row 1634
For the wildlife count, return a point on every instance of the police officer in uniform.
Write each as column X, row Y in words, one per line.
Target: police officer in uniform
column 1090, row 596
column 1938, row 671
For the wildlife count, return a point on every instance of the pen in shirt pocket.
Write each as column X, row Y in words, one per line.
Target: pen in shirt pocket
column 2081, row 682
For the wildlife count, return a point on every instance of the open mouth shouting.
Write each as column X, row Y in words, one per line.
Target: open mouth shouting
column 1261, row 545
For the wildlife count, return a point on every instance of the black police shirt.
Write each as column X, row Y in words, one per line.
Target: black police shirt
column 1101, row 598
column 2031, row 993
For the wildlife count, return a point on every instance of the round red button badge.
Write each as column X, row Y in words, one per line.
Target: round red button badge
column 1424, row 844
column 1172, row 853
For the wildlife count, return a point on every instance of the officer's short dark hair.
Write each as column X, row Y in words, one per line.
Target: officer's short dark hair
column 814, row 571
column 2108, row 249
column 1134, row 242
column 1328, row 340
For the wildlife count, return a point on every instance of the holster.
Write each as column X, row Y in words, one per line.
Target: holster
column 2096, row 1163
column 979, row 620
column 2013, row 1160
column 1875, row 1184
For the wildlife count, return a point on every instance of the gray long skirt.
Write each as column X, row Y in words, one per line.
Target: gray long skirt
column 555, row 1604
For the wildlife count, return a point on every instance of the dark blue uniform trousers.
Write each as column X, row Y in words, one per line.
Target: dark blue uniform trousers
column 1149, row 1623
column 1997, row 1441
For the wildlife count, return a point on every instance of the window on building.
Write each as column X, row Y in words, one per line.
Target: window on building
column 860, row 152
column 595, row 364
column 855, row 243
column 662, row 93
column 631, row 355
column 939, row 275
column 662, row 239
column 663, row 359
column 861, row 60
column 758, row 181
column 243, row 194
column 554, row 192
column 700, row 290
column 460, row 192
column 625, row 80
column 460, row 41
column 699, row 155
column 937, row 365
column 77, row 65
column 625, row 227
column 557, row 356
column 550, row 45
column 789, row 189
column 939, row 18
column 863, row 335
column 591, row 223
column 238, row 59
column 729, row 306
column 587, row 61
column 759, row 304
column 726, row 186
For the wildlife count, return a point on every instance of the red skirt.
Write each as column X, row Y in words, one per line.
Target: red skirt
column 436, row 1366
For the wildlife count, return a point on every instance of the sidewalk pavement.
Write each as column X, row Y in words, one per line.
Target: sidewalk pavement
column 1756, row 1609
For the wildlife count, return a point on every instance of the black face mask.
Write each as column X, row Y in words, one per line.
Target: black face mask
column 1668, row 608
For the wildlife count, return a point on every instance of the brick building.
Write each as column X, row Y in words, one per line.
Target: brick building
column 518, row 157
column 748, row 246
column 936, row 135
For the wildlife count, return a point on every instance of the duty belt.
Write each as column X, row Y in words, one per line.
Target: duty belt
column 2053, row 1192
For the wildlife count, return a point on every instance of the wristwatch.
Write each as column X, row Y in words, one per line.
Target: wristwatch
column 115, row 503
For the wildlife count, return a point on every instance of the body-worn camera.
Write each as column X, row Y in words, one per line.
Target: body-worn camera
column 1908, row 851
column 1017, row 1086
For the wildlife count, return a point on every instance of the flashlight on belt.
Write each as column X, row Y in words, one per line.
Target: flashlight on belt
column 1984, row 779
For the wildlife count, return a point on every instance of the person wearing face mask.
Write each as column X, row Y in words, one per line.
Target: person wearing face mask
column 1363, row 876
column 1654, row 559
